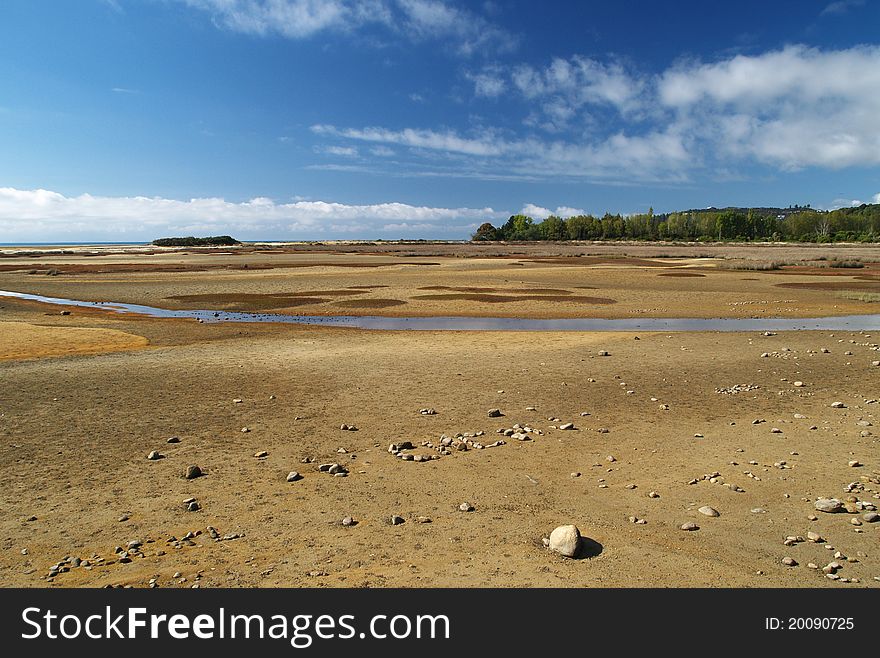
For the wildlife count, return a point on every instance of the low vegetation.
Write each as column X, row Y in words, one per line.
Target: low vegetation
column 190, row 241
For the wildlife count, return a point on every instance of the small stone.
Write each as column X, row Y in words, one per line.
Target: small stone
column 495, row 413
column 397, row 520
column 653, row 494
column 610, row 458
column 798, row 384
column 173, row 439
column 871, row 517
column 567, row 426
column 603, row 353
column 193, row 471
column 423, row 519
column 565, row 540
column 466, row 507
column 814, row 537
column 245, row 430
column 838, row 405
column 775, row 430
column 854, row 463
column 293, row 476
column 154, row 455
column 690, row 526
column 237, row 401
column 261, row 454
column 123, row 518
column 789, row 562
column 193, row 506
column 348, row 521
column 709, row 511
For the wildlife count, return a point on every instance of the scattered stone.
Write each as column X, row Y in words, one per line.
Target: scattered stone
column 349, row 521
column 293, row 476
column 423, row 519
column 237, row 401
column 173, row 439
column 838, row 405
column 567, row 426
column 653, row 494
column 814, row 537
column 261, row 454
column 428, row 412
column 854, row 463
column 495, row 413
column 565, row 540
column 193, row 471
column 245, row 430
column 799, row 384
column 709, row 511
column 775, row 430
column 193, row 506
column 690, row 526
column 397, row 520
column 871, row 517
column 789, row 562
column 154, row 455
column 466, row 507
column 603, row 353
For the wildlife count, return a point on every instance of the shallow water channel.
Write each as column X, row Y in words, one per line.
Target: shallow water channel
column 457, row 323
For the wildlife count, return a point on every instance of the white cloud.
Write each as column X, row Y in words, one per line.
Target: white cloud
column 841, row 7
column 538, row 212
column 416, row 20
column 876, row 198
column 787, row 109
column 792, row 108
column 44, row 215
column 382, row 151
column 488, row 82
column 414, row 137
column 344, row 151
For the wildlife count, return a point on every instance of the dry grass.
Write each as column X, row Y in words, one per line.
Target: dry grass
column 869, row 297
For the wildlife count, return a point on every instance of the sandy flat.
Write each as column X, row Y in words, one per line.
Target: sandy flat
column 76, row 431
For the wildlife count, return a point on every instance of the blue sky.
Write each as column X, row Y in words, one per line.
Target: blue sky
column 298, row 119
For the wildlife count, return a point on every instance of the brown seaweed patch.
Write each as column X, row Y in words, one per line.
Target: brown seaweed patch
column 365, row 287
column 498, row 299
column 369, row 303
column 525, row 291
column 249, row 302
column 680, row 274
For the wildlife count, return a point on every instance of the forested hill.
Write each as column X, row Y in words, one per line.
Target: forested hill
column 794, row 224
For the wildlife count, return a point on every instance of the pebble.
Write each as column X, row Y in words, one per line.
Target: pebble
column 798, row 384
column 603, row 353
column 854, row 463
column 261, row 454
column 154, row 455
column 293, row 476
column 193, row 506
column 466, row 507
column 193, row 471
column 565, row 540
column 653, row 494
column 349, row 521
column 838, row 405
column 567, row 426
column 173, row 439
column 690, row 526
column 814, row 537
column 789, row 562
column 495, row 413
column 709, row 511
column 397, row 520
column 871, row 517
column 423, row 519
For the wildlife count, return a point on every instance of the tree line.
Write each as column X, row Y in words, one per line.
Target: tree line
column 793, row 224
column 190, row 241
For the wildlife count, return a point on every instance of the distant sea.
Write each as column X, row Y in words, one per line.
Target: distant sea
column 68, row 244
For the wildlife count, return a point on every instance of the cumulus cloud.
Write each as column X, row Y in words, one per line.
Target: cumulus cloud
column 415, row 20
column 876, row 198
column 841, row 7
column 792, row 108
column 414, row 137
column 45, row 215
column 538, row 212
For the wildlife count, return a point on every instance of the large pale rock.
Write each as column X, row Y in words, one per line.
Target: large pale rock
column 829, row 505
column 565, row 540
